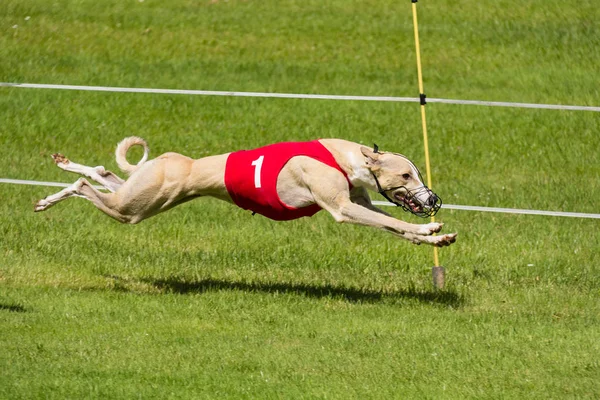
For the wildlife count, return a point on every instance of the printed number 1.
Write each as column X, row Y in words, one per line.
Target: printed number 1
column 257, row 164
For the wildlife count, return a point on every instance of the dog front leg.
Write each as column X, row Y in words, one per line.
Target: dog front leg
column 330, row 191
column 437, row 241
column 347, row 212
column 416, row 234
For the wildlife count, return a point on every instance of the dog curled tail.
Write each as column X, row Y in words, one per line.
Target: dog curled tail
column 121, row 153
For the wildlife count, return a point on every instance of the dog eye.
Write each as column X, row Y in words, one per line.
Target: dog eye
column 406, row 176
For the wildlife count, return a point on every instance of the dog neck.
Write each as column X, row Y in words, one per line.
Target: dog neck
column 359, row 174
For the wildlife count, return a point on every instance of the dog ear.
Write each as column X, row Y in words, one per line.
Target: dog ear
column 372, row 158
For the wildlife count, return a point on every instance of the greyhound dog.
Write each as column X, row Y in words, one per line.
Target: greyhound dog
column 282, row 181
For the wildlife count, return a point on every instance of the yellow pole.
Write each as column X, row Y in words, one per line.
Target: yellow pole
column 436, row 260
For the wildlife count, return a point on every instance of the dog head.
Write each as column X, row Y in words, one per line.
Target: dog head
column 400, row 182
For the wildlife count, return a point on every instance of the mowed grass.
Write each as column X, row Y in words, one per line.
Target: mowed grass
column 206, row 301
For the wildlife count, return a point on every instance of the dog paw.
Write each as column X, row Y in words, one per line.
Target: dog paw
column 60, row 160
column 445, row 240
column 431, row 228
column 41, row 205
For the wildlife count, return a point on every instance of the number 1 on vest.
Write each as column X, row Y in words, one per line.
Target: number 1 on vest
column 257, row 164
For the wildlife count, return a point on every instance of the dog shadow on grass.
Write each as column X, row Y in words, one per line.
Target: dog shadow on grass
column 350, row 294
column 12, row 308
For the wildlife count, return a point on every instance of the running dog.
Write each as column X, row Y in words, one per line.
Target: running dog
column 282, row 181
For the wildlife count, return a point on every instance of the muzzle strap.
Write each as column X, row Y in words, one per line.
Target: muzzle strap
column 410, row 200
column 382, row 192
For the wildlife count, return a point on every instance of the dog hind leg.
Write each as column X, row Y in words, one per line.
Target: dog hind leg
column 106, row 178
column 51, row 200
column 105, row 202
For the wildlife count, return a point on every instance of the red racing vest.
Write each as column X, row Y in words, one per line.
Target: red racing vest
column 251, row 177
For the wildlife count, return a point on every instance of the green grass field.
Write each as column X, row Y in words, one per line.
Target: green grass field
column 207, row 301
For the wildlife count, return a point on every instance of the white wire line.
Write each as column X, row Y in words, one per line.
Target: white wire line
column 515, row 105
column 509, row 210
column 379, row 203
column 207, row 92
column 297, row 96
column 39, row 183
